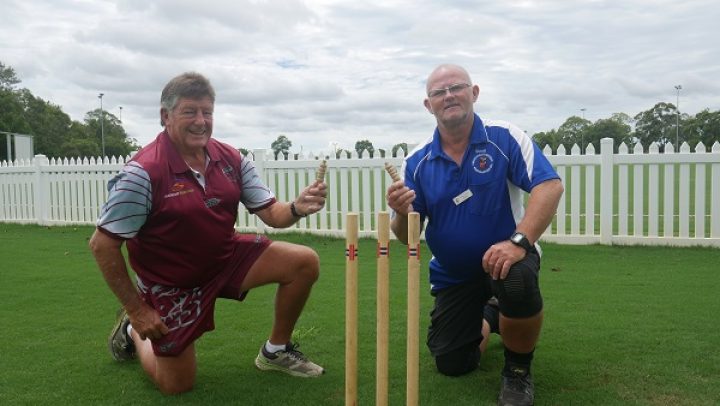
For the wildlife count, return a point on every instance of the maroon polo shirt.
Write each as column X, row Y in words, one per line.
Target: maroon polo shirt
column 187, row 237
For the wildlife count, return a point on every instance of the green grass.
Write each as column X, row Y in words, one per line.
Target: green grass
column 624, row 325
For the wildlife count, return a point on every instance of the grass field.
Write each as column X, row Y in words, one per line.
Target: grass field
column 624, row 326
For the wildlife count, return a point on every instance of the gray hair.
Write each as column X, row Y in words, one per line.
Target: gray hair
column 191, row 85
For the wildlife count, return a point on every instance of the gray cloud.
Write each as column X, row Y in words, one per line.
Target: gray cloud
column 322, row 71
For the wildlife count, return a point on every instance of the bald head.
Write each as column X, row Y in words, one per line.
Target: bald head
column 443, row 70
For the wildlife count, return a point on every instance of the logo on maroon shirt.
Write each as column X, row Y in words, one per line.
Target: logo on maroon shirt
column 228, row 172
column 178, row 188
column 211, row 202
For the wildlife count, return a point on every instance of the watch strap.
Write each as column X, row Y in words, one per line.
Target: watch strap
column 294, row 211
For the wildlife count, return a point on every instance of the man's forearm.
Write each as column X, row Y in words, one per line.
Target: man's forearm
column 116, row 276
column 114, row 270
column 541, row 208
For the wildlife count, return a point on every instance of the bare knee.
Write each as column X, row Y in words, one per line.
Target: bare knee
column 174, row 375
column 175, row 387
column 286, row 264
column 309, row 268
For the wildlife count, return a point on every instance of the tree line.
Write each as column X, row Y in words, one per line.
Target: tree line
column 660, row 125
column 56, row 135
column 281, row 149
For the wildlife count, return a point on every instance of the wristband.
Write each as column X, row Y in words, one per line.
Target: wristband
column 294, row 211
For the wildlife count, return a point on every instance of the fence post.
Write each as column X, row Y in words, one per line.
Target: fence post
column 41, row 192
column 606, row 191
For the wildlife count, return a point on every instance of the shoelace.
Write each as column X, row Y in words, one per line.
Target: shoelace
column 292, row 351
column 519, row 383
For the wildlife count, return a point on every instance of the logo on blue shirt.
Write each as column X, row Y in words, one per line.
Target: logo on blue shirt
column 482, row 163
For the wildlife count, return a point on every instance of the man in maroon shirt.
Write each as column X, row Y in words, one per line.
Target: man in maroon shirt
column 175, row 204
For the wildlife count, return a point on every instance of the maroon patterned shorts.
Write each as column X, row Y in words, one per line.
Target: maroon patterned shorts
column 189, row 312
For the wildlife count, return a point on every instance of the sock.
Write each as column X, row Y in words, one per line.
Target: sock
column 517, row 360
column 129, row 330
column 492, row 316
column 273, row 348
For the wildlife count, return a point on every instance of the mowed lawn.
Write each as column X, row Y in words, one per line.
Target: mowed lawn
column 623, row 326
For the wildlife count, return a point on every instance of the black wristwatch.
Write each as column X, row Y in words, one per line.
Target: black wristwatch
column 521, row 240
column 294, row 211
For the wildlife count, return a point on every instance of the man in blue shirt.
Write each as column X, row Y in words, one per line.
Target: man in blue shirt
column 468, row 181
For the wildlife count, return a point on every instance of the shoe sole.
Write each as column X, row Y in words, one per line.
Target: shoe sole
column 265, row 366
column 118, row 325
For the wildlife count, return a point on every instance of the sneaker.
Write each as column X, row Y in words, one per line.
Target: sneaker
column 290, row 360
column 122, row 347
column 517, row 388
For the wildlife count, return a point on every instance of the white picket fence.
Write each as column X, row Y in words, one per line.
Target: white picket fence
column 631, row 197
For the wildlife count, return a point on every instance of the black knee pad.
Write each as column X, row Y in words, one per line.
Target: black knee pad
column 519, row 293
column 460, row 361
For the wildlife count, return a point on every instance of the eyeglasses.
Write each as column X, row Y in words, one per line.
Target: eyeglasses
column 453, row 89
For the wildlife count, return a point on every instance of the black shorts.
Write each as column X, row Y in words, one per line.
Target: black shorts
column 457, row 316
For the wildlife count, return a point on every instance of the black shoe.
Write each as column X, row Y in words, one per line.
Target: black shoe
column 517, row 388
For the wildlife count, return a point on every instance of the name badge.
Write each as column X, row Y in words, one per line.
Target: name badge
column 462, row 197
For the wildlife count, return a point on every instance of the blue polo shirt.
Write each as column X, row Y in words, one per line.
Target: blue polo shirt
column 477, row 204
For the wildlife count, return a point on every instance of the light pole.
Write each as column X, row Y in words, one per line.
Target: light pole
column 677, row 118
column 120, row 113
column 102, row 124
column 582, row 132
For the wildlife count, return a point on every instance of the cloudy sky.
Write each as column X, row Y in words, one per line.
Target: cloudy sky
column 331, row 71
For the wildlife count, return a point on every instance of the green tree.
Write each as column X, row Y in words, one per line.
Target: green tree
column 117, row 142
column 402, row 145
column 572, row 132
column 8, row 78
column 80, row 147
column 364, row 145
column 608, row 128
column 656, row 125
column 340, row 152
column 703, row 127
column 49, row 125
column 12, row 117
column 623, row 118
column 551, row 138
column 281, row 145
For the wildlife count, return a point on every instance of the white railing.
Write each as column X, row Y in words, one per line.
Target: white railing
column 630, row 197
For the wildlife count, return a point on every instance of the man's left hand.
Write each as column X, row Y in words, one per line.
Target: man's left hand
column 500, row 257
column 311, row 199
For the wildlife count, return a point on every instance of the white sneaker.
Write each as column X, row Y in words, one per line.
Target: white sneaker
column 290, row 361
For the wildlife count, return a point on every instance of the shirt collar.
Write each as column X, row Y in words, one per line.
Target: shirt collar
column 478, row 135
column 177, row 163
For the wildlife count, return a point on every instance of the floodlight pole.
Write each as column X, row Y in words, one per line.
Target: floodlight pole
column 582, row 133
column 677, row 118
column 102, row 124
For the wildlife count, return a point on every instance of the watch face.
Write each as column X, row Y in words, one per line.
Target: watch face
column 516, row 238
